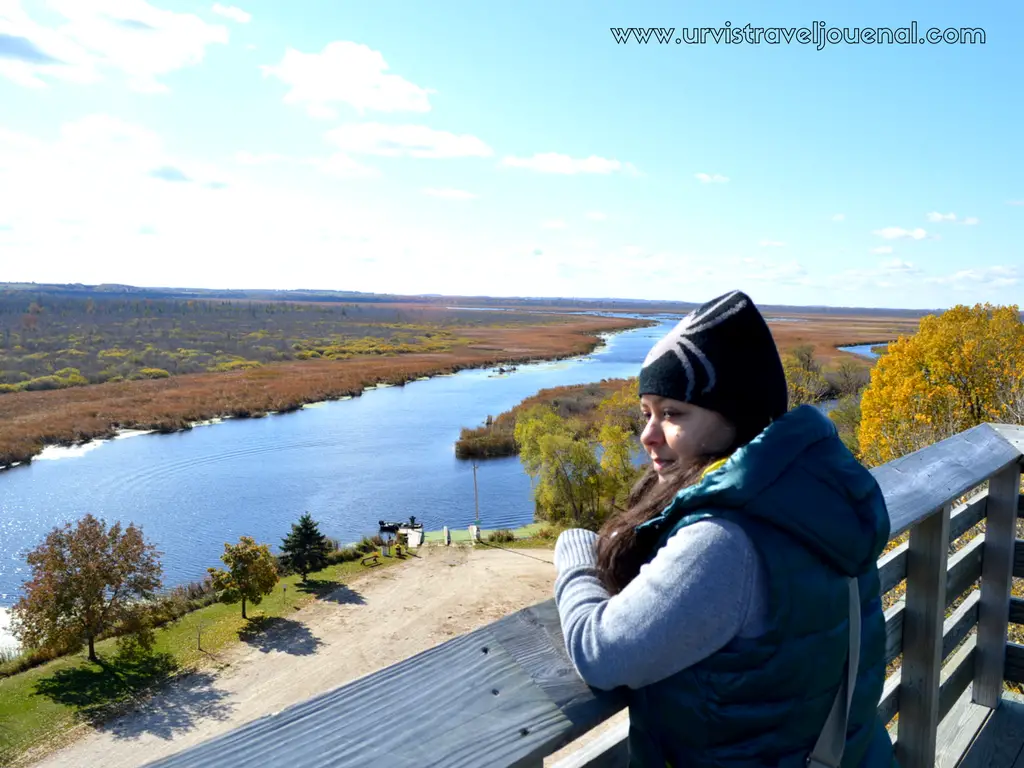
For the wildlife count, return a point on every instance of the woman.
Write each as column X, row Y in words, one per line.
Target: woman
column 723, row 601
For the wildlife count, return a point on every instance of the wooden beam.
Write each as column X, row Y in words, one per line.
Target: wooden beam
column 505, row 695
column 926, row 480
column 922, row 636
column 996, row 581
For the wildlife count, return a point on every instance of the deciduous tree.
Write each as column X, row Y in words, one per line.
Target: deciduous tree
column 86, row 579
column 960, row 369
column 251, row 573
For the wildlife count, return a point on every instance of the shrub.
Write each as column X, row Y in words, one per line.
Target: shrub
column 504, row 535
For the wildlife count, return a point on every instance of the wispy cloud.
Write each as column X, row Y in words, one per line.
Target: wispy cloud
column 894, row 233
column 711, row 178
column 882, row 249
column 169, row 173
column 346, row 73
column 936, row 217
column 596, row 215
column 87, row 40
column 232, row 12
column 553, row 162
column 554, row 224
column 989, row 277
column 771, row 244
column 839, row 217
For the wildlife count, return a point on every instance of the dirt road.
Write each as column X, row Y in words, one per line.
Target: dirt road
column 377, row 621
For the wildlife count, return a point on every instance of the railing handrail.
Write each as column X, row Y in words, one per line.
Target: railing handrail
column 507, row 694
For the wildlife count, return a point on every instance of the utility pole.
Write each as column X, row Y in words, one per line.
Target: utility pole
column 476, row 498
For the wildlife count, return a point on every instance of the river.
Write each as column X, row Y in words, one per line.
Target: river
column 387, row 454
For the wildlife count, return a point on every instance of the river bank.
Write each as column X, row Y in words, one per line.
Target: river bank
column 72, row 417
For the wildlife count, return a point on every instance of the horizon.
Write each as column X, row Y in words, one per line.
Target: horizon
column 525, row 152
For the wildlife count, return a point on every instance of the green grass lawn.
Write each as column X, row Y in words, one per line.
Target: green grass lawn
column 44, row 703
column 462, row 534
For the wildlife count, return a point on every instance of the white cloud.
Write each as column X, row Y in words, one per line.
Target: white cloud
column 449, row 194
column 94, row 38
column 346, row 73
column 596, row 216
column 771, row 244
column 882, row 249
column 898, row 266
column 1015, row 202
column 554, row 224
column 989, row 277
column 552, row 162
column 839, row 217
column 232, row 12
column 893, row 233
column 935, row 216
column 711, row 178
column 405, row 141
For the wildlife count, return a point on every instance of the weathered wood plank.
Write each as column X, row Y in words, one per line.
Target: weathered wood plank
column 916, row 484
column 467, row 702
column 922, row 640
column 1018, row 558
column 1000, row 741
column 1016, row 610
column 533, row 637
column 964, row 568
column 892, row 567
column 889, row 704
column 957, row 674
column 959, row 729
column 960, row 623
column 894, row 631
column 1000, row 536
column 1013, row 663
column 968, row 515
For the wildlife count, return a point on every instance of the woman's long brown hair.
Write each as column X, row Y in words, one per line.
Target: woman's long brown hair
column 619, row 553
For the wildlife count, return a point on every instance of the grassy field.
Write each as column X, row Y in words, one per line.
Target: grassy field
column 43, row 705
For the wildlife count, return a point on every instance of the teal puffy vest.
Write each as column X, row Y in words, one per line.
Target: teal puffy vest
column 816, row 516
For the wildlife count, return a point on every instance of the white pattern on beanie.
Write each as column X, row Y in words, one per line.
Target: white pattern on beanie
column 677, row 340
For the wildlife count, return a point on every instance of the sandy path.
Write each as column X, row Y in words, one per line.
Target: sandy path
column 381, row 619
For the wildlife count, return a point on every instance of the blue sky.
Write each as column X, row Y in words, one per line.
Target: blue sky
column 512, row 149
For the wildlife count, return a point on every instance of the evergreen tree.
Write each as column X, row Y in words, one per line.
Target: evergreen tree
column 305, row 548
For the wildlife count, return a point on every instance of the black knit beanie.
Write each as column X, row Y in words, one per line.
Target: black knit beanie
column 722, row 357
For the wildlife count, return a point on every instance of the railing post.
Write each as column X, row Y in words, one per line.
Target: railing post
column 922, row 641
column 996, row 581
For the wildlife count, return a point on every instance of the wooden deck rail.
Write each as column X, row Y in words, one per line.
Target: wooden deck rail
column 507, row 694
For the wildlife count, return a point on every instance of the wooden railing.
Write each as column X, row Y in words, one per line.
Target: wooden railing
column 508, row 695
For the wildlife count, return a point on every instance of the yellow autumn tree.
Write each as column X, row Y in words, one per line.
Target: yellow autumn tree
column 961, row 368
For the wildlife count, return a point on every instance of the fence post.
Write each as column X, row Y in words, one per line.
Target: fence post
column 996, row 581
column 924, row 614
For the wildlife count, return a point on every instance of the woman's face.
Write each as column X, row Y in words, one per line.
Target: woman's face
column 678, row 433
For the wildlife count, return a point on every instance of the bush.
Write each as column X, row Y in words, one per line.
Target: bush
column 502, row 536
